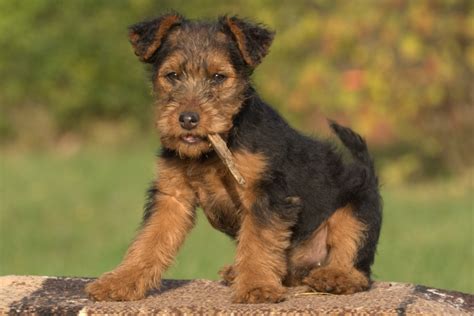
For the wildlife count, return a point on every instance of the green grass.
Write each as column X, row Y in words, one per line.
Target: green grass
column 75, row 215
column 427, row 236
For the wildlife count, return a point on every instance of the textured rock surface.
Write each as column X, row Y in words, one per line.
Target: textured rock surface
column 47, row 295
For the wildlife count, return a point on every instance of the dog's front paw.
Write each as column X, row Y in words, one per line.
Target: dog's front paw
column 115, row 286
column 228, row 274
column 259, row 294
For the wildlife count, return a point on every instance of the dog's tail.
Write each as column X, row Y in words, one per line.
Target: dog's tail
column 361, row 188
column 358, row 148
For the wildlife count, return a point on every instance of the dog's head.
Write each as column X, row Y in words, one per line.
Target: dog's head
column 200, row 74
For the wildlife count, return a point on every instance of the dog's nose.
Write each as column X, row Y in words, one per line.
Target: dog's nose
column 188, row 120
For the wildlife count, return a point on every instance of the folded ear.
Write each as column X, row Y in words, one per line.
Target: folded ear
column 253, row 40
column 146, row 37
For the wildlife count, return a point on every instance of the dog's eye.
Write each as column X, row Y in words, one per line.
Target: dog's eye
column 218, row 78
column 172, row 76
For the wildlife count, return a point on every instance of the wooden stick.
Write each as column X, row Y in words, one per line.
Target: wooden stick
column 226, row 156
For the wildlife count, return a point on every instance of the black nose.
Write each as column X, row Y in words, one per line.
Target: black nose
column 188, row 120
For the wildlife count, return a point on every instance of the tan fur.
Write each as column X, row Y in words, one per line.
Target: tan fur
column 221, row 198
column 217, row 195
column 160, row 34
column 196, row 95
column 345, row 234
column 263, row 257
column 218, row 62
column 338, row 281
column 243, row 45
column 228, row 274
column 260, row 262
column 252, row 167
column 241, row 41
column 156, row 244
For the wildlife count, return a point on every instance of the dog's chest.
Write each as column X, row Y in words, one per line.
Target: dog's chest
column 217, row 194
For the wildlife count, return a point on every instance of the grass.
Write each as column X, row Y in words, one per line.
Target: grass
column 76, row 214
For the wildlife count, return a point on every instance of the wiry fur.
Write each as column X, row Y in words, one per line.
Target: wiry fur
column 304, row 217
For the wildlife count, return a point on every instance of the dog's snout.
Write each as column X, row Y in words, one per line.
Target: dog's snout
column 189, row 120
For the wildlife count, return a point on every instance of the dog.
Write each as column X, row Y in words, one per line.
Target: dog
column 304, row 217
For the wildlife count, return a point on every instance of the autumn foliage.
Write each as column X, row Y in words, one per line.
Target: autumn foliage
column 400, row 72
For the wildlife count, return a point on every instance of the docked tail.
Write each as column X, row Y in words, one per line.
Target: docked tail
column 357, row 147
column 361, row 189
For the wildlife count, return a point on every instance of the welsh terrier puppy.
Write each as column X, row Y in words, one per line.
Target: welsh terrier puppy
column 304, row 216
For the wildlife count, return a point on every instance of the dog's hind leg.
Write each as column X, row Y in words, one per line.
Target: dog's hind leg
column 345, row 235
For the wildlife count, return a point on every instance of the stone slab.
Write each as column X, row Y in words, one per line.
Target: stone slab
column 38, row 295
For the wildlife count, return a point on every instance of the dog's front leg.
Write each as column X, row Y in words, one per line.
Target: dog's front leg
column 260, row 261
column 155, row 246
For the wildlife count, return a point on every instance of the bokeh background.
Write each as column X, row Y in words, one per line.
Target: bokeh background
column 77, row 140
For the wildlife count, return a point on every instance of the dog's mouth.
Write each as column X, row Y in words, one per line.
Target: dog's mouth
column 191, row 139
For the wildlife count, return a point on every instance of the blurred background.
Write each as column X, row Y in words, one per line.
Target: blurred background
column 77, row 140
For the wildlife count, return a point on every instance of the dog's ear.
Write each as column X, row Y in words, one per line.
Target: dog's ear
column 146, row 37
column 253, row 40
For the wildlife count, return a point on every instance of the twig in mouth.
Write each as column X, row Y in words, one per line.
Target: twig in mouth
column 226, row 156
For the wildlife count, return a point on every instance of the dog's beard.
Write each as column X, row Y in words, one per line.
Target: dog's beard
column 186, row 149
column 194, row 143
